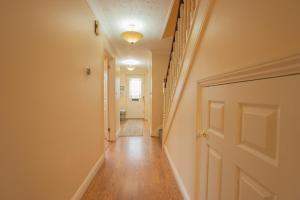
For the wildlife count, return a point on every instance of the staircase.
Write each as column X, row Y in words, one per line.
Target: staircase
column 191, row 18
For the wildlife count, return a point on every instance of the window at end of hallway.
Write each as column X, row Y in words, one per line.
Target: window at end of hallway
column 135, row 88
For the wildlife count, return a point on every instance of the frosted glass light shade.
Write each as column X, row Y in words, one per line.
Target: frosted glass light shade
column 130, row 68
column 132, row 37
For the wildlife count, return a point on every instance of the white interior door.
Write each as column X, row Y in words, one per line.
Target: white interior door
column 250, row 146
column 135, row 106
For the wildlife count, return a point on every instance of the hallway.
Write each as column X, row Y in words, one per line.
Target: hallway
column 217, row 81
column 134, row 168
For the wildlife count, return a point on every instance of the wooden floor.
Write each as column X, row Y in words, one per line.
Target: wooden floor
column 135, row 168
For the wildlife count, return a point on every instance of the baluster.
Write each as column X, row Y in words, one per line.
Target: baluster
column 176, row 49
column 171, row 78
column 169, row 97
column 192, row 11
column 173, row 72
column 196, row 3
column 175, row 67
column 179, row 40
column 182, row 25
column 166, row 107
column 177, row 71
column 174, row 78
column 187, row 15
column 174, row 55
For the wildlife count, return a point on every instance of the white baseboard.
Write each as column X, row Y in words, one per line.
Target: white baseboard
column 177, row 176
column 84, row 185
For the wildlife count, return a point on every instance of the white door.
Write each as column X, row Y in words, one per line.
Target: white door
column 135, row 106
column 251, row 143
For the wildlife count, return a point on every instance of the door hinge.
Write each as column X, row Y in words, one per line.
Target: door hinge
column 108, row 129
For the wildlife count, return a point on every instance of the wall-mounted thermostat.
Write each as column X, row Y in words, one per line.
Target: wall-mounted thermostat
column 88, row 71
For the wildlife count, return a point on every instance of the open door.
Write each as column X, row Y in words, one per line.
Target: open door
column 250, row 140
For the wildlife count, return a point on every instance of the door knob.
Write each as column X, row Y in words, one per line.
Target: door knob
column 202, row 133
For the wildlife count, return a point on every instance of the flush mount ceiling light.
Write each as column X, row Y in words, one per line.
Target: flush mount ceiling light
column 130, row 68
column 130, row 62
column 132, row 37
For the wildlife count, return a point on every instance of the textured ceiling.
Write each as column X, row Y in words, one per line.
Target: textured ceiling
column 147, row 16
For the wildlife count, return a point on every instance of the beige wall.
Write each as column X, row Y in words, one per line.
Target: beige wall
column 159, row 65
column 239, row 33
column 51, row 112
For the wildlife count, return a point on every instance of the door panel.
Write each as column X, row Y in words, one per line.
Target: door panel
column 258, row 131
column 250, row 189
column 214, row 175
column 135, row 107
column 216, row 118
column 251, row 140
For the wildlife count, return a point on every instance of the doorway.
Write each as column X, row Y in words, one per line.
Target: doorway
column 134, row 89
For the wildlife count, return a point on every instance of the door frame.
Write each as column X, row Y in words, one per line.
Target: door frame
column 111, row 95
column 128, row 76
column 106, row 115
column 199, row 143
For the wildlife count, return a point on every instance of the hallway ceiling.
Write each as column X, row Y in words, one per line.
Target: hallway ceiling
column 147, row 16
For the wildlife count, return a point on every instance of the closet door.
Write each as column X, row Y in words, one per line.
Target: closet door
column 250, row 133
